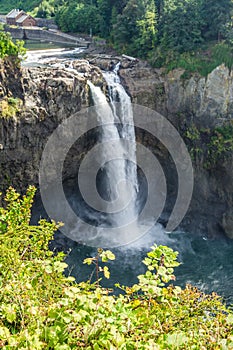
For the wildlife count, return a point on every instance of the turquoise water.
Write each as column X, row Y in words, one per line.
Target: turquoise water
column 206, row 264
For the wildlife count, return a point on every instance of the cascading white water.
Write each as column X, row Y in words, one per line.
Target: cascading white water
column 118, row 184
column 123, row 114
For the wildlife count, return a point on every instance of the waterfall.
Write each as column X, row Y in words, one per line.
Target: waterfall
column 117, row 183
column 123, row 114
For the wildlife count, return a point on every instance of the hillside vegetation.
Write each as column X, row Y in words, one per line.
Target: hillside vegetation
column 193, row 34
column 26, row 5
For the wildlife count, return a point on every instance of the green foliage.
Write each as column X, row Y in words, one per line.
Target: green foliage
column 9, row 48
column 181, row 25
column 79, row 18
column 26, row 5
column 210, row 146
column 223, row 53
column 44, row 10
column 105, row 10
column 220, row 144
column 193, row 138
column 135, row 30
column 215, row 14
column 103, row 256
column 9, row 106
column 160, row 264
column 39, row 8
column 40, row 308
column 202, row 60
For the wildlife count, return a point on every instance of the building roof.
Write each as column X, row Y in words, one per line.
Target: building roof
column 14, row 13
column 22, row 18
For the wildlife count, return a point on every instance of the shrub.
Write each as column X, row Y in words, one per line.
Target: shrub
column 9, row 48
column 202, row 60
column 40, row 308
column 9, row 106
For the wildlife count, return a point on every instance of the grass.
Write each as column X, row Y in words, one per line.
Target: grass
column 203, row 60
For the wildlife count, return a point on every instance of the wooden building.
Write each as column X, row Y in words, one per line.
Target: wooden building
column 26, row 21
column 20, row 18
column 12, row 16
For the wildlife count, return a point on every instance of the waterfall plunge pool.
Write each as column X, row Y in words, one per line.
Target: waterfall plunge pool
column 205, row 263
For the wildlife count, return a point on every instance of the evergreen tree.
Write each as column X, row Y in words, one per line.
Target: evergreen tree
column 181, row 24
column 147, row 28
column 159, row 4
column 136, row 28
column 215, row 15
column 126, row 31
column 105, row 10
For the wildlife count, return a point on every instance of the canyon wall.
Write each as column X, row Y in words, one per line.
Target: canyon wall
column 44, row 97
column 199, row 108
column 196, row 106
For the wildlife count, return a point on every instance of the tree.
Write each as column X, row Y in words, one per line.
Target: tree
column 181, row 25
column 88, row 19
column 105, row 10
column 126, row 30
column 159, row 4
column 45, row 9
column 215, row 15
column 136, row 28
column 79, row 17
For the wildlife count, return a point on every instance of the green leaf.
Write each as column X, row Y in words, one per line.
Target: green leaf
column 230, row 319
column 4, row 333
column 62, row 347
column 60, row 266
column 106, row 272
column 10, row 314
column 48, row 269
column 177, row 339
column 88, row 261
column 107, row 255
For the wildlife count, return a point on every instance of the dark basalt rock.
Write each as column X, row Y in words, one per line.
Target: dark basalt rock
column 52, row 94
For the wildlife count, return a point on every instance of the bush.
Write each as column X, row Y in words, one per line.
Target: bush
column 40, row 308
column 9, row 48
column 203, row 60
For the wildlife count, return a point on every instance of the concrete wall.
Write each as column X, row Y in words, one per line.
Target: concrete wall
column 16, row 33
column 40, row 34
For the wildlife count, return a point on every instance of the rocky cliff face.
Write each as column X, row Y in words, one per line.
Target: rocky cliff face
column 194, row 106
column 209, row 101
column 197, row 106
column 47, row 97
